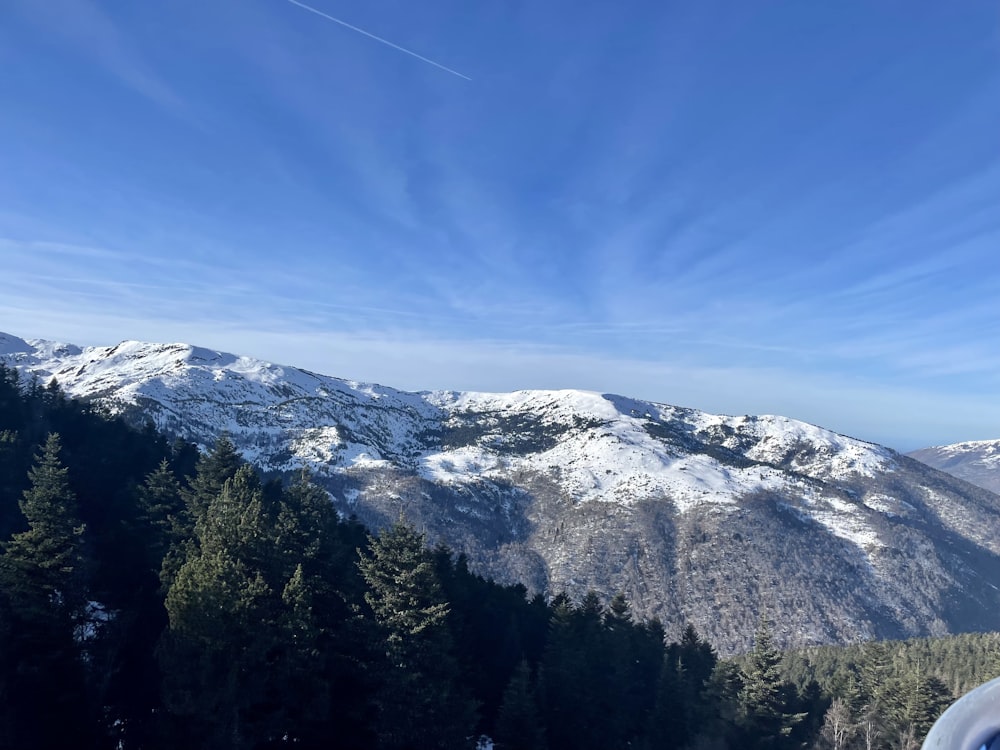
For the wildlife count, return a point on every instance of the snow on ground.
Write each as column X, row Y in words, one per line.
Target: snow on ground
column 887, row 504
column 557, row 404
column 601, row 446
column 988, row 450
column 317, row 445
column 776, row 436
column 458, row 465
column 611, row 457
column 847, row 521
column 13, row 345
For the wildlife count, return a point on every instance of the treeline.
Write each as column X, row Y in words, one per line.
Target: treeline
column 961, row 662
column 889, row 693
column 152, row 597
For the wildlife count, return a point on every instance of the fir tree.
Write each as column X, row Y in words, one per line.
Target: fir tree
column 43, row 596
column 518, row 725
column 42, row 569
column 224, row 622
column 923, row 699
column 765, row 718
column 578, row 696
column 163, row 511
column 669, row 723
column 419, row 703
column 211, row 473
column 319, row 671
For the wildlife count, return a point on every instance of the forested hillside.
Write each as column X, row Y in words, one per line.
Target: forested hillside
column 697, row 518
column 152, row 597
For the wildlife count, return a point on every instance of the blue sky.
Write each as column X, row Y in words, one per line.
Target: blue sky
column 744, row 207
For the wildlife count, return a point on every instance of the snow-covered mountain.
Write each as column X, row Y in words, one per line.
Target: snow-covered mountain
column 976, row 461
column 695, row 517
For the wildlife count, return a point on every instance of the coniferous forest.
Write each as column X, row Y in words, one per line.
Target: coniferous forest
column 155, row 597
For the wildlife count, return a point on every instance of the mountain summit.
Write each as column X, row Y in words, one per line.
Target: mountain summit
column 701, row 518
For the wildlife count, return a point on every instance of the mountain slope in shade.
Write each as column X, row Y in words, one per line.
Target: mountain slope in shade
column 977, row 462
column 695, row 517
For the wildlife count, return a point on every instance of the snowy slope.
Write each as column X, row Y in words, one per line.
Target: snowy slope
column 976, row 461
column 572, row 490
column 609, row 448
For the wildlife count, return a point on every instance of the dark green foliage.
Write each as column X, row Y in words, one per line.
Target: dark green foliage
column 420, row 704
column 280, row 635
column 921, row 700
column 599, row 674
column 686, row 707
column 493, row 628
column 261, row 638
column 164, row 514
column 519, row 725
column 670, row 722
column 222, row 621
column 42, row 568
column 213, row 470
column 43, row 591
column 766, row 697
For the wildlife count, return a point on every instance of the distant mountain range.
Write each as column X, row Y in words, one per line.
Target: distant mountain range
column 977, row 462
column 701, row 518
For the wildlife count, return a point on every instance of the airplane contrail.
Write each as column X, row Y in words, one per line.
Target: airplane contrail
column 379, row 39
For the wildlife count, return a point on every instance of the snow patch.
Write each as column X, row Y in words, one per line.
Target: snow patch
column 847, row 521
column 13, row 345
column 463, row 464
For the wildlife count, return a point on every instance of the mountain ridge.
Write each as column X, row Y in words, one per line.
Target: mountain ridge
column 699, row 518
column 975, row 461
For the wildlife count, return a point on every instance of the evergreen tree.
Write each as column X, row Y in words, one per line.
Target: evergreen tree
column 319, row 673
column 763, row 699
column 698, row 657
column 12, row 476
column 923, row 699
column 297, row 666
column 42, row 588
column 580, row 702
column 561, row 675
column 420, row 706
column 684, row 707
column 42, row 569
column 669, row 724
column 721, row 696
column 518, row 725
column 213, row 470
column 635, row 657
column 163, row 512
column 878, row 687
column 223, row 623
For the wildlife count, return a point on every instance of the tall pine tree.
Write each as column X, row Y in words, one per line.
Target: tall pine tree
column 766, row 721
column 43, row 567
column 420, row 705
column 42, row 584
column 519, row 725
column 223, row 623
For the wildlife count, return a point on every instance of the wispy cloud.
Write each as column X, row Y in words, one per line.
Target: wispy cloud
column 91, row 32
column 677, row 203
